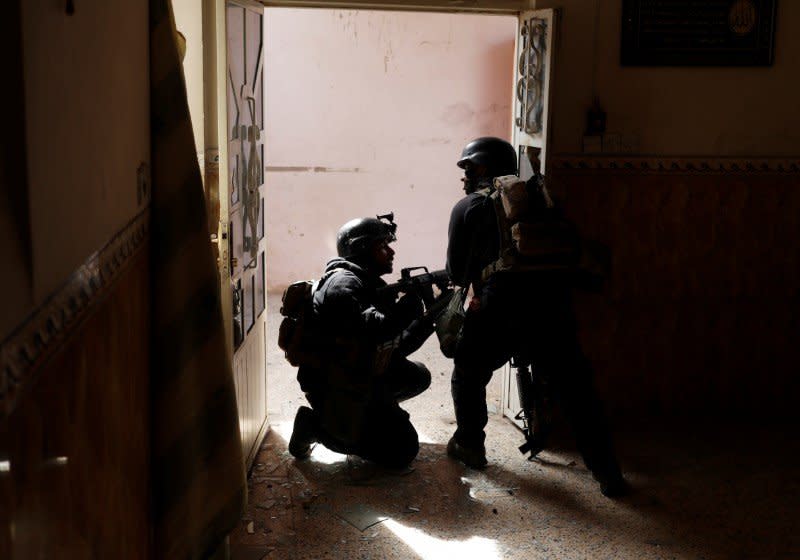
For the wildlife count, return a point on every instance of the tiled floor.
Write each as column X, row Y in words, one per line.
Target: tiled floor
column 712, row 492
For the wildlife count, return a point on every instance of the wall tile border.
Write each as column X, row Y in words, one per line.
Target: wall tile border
column 44, row 331
column 567, row 163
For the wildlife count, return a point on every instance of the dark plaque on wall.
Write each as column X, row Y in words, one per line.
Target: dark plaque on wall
column 698, row 32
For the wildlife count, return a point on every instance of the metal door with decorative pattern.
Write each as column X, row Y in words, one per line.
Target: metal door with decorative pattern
column 245, row 106
column 533, row 69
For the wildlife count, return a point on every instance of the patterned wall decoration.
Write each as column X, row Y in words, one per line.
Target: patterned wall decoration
column 702, row 311
column 43, row 332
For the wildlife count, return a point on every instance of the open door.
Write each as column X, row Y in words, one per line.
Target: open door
column 245, row 215
column 533, row 69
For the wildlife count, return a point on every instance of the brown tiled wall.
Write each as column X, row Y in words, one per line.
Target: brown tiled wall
column 74, row 482
column 702, row 314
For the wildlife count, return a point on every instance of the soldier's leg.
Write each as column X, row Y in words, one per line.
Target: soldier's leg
column 389, row 439
column 406, row 379
column 468, row 389
column 571, row 377
column 483, row 349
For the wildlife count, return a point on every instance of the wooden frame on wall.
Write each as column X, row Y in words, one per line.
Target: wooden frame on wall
column 698, row 32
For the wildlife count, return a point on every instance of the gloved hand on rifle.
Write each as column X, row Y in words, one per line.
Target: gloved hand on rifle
column 418, row 331
column 408, row 308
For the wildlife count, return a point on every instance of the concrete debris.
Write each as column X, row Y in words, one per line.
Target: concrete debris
column 361, row 516
column 306, row 497
column 414, row 509
column 480, row 492
column 251, row 528
column 266, row 505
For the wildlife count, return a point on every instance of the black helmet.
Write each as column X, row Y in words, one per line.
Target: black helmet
column 495, row 153
column 357, row 236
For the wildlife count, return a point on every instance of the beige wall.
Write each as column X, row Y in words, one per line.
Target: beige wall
column 87, row 113
column 367, row 112
column 672, row 110
column 189, row 21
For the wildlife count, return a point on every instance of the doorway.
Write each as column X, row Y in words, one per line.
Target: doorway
column 366, row 112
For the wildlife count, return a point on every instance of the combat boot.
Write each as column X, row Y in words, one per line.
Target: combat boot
column 304, row 433
column 474, row 457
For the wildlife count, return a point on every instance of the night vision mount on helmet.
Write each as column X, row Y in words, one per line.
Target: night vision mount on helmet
column 357, row 236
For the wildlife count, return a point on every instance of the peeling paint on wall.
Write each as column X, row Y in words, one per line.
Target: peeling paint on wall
column 309, row 169
column 458, row 113
column 363, row 128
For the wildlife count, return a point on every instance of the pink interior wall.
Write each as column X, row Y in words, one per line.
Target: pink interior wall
column 367, row 112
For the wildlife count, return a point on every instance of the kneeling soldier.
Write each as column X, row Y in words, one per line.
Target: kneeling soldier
column 362, row 342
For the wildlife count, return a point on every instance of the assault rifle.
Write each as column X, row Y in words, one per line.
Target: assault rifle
column 421, row 284
column 534, row 400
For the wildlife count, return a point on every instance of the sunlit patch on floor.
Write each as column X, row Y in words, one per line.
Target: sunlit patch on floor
column 319, row 453
column 431, row 548
column 283, row 429
column 322, row 454
column 424, row 438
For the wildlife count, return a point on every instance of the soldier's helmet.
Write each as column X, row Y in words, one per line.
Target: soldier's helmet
column 356, row 237
column 495, row 153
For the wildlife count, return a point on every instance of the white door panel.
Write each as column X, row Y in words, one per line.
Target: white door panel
column 533, row 70
column 245, row 203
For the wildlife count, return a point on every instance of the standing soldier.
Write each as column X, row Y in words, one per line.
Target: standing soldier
column 517, row 309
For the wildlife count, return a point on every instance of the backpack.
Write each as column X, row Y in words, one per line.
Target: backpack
column 535, row 237
column 296, row 335
column 531, row 236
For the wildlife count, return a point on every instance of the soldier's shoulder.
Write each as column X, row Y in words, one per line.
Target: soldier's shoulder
column 342, row 277
column 468, row 202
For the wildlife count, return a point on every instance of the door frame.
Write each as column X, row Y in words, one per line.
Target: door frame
column 509, row 7
column 215, row 104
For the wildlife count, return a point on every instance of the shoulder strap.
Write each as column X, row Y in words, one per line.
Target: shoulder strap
column 324, row 278
column 486, row 192
column 505, row 258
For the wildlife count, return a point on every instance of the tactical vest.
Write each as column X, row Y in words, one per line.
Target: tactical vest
column 531, row 236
